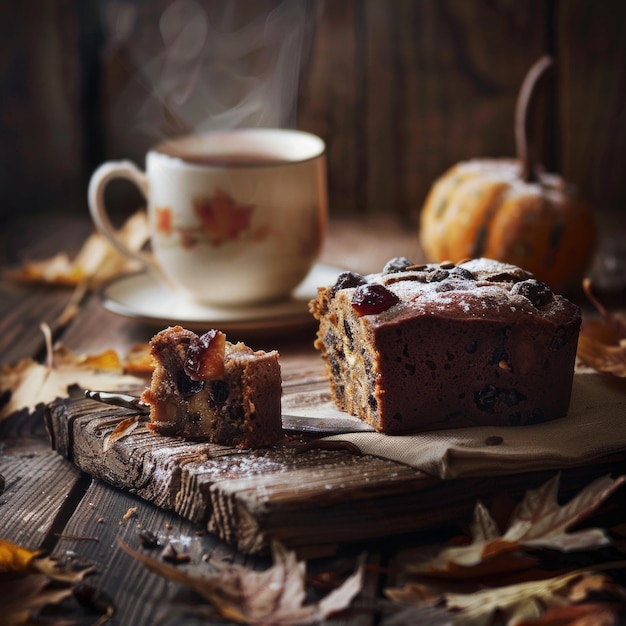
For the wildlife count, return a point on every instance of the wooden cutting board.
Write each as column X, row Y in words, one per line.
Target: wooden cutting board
column 309, row 498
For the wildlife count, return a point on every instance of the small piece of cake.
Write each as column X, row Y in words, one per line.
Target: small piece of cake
column 418, row 348
column 204, row 387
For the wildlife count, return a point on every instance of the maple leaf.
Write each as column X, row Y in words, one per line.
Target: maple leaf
column 221, row 217
column 272, row 597
column 516, row 602
column 538, row 521
column 26, row 582
column 520, row 604
column 96, row 262
column 163, row 220
column 597, row 601
column 602, row 342
column 29, row 383
column 591, row 614
column 473, row 584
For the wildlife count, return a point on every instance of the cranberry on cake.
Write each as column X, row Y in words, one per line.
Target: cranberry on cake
column 423, row 347
column 204, row 387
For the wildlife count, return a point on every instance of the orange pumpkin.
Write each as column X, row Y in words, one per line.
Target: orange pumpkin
column 510, row 210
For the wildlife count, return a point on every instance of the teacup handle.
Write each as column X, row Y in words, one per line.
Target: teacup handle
column 97, row 207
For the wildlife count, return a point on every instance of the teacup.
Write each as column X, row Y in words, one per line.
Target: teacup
column 236, row 217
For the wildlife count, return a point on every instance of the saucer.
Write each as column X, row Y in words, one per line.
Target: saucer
column 143, row 298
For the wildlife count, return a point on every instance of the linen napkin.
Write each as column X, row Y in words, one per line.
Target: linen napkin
column 594, row 427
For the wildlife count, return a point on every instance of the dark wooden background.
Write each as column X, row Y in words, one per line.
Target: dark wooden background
column 400, row 89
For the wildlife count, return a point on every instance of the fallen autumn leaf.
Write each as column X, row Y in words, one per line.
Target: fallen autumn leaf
column 29, row 383
column 602, row 342
column 537, row 522
column 271, row 597
column 97, row 261
column 471, row 581
column 27, row 580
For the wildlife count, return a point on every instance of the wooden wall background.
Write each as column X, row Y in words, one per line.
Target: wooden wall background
column 399, row 89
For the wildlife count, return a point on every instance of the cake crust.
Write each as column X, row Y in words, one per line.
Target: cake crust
column 474, row 344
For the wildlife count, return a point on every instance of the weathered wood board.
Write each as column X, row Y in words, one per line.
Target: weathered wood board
column 248, row 498
column 308, row 498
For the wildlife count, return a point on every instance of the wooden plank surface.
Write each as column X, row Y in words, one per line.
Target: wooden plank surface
column 246, row 497
column 107, row 516
column 22, row 310
column 29, row 467
column 309, row 498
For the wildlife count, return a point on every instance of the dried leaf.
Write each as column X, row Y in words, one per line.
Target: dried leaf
column 58, row 270
column 602, row 343
column 451, row 578
column 415, row 593
column 22, row 598
column 272, row 597
column 607, row 600
column 124, row 428
column 29, row 383
column 97, row 261
column 615, row 322
column 25, row 583
column 412, row 615
column 14, row 558
column 54, row 571
column 537, row 522
column 602, row 357
column 139, row 360
column 575, row 615
column 592, row 585
column 521, row 603
column 107, row 360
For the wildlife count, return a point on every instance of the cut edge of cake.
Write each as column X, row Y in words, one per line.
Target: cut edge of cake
column 204, row 387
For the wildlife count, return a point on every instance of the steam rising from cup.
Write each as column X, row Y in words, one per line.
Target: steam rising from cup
column 202, row 68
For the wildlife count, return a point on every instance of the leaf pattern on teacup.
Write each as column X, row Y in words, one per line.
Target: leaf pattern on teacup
column 221, row 217
column 164, row 223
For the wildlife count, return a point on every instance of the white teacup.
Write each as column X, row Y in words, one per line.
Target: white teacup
column 236, row 217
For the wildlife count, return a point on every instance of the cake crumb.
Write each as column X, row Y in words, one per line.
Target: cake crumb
column 132, row 512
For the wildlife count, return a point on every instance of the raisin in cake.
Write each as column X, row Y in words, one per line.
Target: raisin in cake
column 204, row 387
column 425, row 347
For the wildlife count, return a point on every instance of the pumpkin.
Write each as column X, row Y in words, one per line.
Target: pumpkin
column 511, row 210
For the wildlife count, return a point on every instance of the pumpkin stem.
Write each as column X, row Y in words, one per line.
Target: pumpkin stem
column 526, row 93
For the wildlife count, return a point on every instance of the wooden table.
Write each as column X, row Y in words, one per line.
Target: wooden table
column 49, row 504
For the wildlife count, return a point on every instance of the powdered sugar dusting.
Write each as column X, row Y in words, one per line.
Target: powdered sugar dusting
column 487, row 296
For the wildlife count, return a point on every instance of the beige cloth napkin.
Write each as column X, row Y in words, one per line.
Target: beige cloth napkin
column 595, row 426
